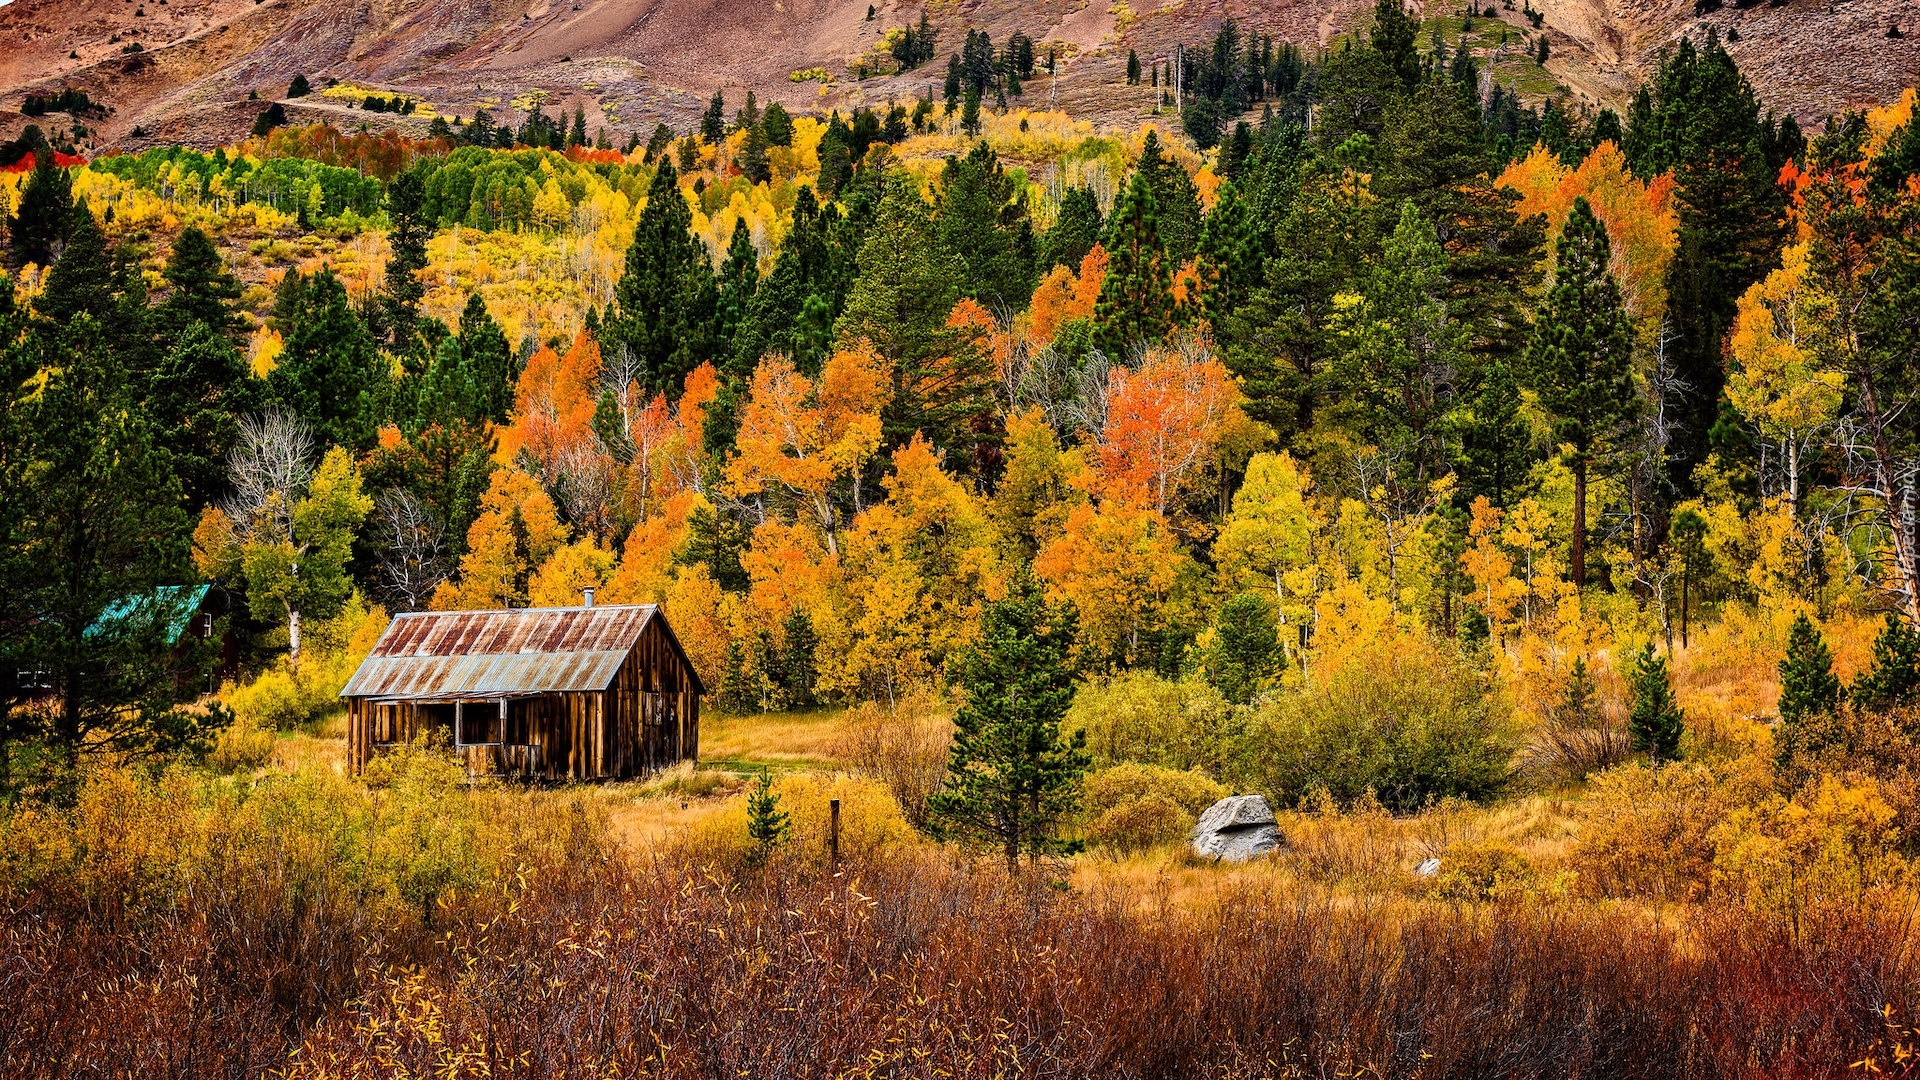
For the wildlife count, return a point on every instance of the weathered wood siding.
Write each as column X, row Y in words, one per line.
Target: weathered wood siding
column 647, row 720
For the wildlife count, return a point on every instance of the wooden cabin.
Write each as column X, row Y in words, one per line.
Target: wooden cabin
column 183, row 618
column 586, row 693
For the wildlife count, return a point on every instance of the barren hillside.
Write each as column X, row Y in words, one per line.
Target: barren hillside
column 630, row 63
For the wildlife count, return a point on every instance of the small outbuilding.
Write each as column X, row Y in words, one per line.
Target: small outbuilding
column 586, row 693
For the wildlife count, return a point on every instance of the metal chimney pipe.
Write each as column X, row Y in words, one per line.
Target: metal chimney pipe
column 588, row 594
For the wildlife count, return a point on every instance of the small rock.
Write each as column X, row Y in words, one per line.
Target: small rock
column 1428, row 868
column 1236, row 829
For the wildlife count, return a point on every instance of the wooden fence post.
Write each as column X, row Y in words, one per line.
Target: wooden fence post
column 833, row 832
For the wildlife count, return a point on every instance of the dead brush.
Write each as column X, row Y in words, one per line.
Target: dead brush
column 264, row 953
column 903, row 746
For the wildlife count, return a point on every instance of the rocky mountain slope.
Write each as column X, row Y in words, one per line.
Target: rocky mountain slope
column 182, row 70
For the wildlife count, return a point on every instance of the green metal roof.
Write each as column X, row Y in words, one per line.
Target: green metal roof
column 172, row 605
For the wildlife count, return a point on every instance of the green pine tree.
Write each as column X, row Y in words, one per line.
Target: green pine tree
column 1392, row 36
column 1246, row 648
column 713, row 122
column 1655, row 722
column 1892, row 680
column 778, row 124
column 1013, row 780
column 907, row 285
column 1076, row 228
column 797, row 667
column 409, row 227
column 664, row 304
column 753, row 156
column 1228, row 256
column 200, row 288
column 982, row 216
column 1435, row 151
column 1403, row 343
column 836, row 158
column 1176, row 202
column 1580, row 361
column 106, row 527
column 1702, row 120
column 329, row 373
column 734, row 696
column 194, row 402
column 767, row 824
column 1496, row 445
column 38, row 228
column 1283, row 340
column 488, row 361
column 739, row 279
column 81, row 281
column 1807, row 682
column 1136, row 297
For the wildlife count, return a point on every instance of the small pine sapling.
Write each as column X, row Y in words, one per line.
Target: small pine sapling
column 1655, row 723
column 1807, row 682
column 767, row 824
column 1892, row 680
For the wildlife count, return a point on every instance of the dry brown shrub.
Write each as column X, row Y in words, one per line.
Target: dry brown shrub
column 238, row 940
column 903, row 746
column 1576, row 733
column 1646, row 833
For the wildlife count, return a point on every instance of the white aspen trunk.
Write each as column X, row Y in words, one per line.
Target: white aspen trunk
column 1793, row 475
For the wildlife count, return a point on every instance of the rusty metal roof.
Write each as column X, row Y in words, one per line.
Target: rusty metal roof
column 448, row 655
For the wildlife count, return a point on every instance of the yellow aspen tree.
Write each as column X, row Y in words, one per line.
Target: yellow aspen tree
column 1776, row 379
column 1267, row 540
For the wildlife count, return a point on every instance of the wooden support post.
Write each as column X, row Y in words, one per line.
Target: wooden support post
column 833, row 832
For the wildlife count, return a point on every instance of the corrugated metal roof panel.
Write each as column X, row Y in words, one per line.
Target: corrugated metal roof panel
column 449, row 654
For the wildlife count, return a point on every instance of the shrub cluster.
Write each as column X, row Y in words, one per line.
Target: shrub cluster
column 1132, row 807
column 1411, row 728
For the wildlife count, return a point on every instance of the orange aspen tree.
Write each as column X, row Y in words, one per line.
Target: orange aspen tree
column 1164, row 425
column 805, row 439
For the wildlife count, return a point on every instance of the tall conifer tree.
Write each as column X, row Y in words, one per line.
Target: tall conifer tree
column 1580, row 360
column 329, row 373
column 664, row 304
column 200, row 287
column 1136, row 297
column 1076, row 228
column 1013, row 778
column 38, row 228
column 409, row 228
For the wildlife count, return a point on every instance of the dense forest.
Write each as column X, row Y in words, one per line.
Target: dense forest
column 824, row 392
column 1520, row 498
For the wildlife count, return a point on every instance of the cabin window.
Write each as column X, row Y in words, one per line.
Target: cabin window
column 480, row 723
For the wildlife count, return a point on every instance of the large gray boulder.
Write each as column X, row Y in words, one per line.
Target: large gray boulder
column 1236, row 829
